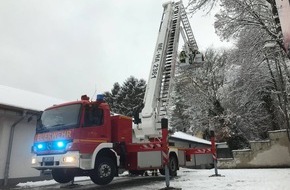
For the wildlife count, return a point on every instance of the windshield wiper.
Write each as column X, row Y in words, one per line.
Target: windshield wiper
column 56, row 125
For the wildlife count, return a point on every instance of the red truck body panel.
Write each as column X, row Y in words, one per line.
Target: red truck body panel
column 121, row 129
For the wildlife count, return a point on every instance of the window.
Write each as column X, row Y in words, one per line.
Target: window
column 93, row 116
column 64, row 117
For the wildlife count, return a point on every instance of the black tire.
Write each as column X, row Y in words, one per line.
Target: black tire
column 104, row 171
column 162, row 171
column 172, row 166
column 62, row 175
column 137, row 172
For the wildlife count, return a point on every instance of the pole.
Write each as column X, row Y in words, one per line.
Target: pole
column 164, row 127
column 213, row 150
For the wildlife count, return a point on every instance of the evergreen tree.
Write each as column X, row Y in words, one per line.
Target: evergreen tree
column 179, row 119
column 111, row 97
column 128, row 98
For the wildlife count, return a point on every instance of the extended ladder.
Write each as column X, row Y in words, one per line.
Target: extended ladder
column 171, row 54
column 156, row 99
column 187, row 30
column 170, row 61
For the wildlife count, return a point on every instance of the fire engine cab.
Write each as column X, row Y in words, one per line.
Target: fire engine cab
column 83, row 138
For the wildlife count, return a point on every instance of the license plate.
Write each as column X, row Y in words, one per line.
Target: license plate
column 47, row 159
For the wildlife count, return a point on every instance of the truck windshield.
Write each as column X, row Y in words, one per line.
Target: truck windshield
column 59, row 118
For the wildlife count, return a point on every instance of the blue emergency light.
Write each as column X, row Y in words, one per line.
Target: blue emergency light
column 40, row 146
column 60, row 144
column 100, row 97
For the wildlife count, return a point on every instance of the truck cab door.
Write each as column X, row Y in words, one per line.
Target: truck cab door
column 93, row 128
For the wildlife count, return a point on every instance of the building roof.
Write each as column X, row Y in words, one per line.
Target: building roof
column 184, row 136
column 25, row 100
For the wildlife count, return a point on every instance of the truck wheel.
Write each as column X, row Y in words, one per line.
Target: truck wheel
column 62, row 175
column 162, row 171
column 104, row 171
column 172, row 166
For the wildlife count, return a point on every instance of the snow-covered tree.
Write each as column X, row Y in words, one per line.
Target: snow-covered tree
column 236, row 15
column 111, row 97
column 196, row 94
column 128, row 98
column 179, row 118
column 252, row 95
column 256, row 98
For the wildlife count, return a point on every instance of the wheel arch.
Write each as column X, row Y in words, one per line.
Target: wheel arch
column 105, row 149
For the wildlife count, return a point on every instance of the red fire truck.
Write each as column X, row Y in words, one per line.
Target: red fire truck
column 83, row 138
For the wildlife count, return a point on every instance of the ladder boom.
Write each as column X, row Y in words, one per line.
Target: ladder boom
column 157, row 94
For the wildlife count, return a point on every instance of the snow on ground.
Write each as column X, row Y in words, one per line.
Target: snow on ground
column 232, row 179
column 46, row 182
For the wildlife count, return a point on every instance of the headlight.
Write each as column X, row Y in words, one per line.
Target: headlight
column 69, row 159
column 33, row 161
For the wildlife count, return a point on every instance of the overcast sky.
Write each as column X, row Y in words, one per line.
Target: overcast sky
column 67, row 48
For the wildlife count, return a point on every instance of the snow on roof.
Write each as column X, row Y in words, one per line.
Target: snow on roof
column 26, row 100
column 184, row 136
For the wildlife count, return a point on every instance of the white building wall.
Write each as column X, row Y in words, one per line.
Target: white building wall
column 20, row 160
column 21, row 151
column 11, row 107
column 197, row 160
